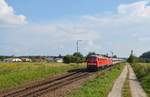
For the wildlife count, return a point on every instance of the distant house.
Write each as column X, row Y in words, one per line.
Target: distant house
column 50, row 59
column 12, row 60
column 26, row 59
column 59, row 60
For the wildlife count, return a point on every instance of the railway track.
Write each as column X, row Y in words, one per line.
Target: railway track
column 47, row 86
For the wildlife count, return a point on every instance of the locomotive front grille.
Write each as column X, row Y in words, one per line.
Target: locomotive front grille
column 92, row 67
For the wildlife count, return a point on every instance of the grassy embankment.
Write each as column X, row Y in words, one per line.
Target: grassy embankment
column 15, row 74
column 100, row 86
column 142, row 71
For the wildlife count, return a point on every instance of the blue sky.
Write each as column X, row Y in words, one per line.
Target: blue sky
column 51, row 27
column 50, row 10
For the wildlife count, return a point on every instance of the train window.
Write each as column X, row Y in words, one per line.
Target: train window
column 92, row 58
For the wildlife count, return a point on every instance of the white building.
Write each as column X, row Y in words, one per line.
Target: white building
column 12, row 60
column 59, row 60
column 26, row 60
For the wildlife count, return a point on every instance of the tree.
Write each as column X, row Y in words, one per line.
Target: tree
column 77, row 54
column 91, row 53
column 67, row 59
column 75, row 58
column 78, row 57
column 115, row 56
column 4, row 57
column 145, row 56
column 132, row 58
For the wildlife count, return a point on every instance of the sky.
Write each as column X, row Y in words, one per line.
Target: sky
column 52, row 27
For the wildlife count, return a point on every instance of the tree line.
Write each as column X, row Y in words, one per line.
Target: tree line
column 145, row 57
column 77, row 57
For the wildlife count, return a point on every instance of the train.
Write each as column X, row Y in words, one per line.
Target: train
column 97, row 62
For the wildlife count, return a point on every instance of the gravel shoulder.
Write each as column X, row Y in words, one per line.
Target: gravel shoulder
column 136, row 89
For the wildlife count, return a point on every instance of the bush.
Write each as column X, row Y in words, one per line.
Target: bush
column 133, row 59
column 75, row 58
column 146, row 57
column 143, row 74
column 67, row 59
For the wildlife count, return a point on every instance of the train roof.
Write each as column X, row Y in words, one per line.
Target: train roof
column 100, row 56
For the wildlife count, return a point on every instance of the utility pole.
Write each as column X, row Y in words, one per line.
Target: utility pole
column 131, row 52
column 77, row 43
column 112, row 53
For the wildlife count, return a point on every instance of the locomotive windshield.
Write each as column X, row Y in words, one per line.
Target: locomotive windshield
column 92, row 59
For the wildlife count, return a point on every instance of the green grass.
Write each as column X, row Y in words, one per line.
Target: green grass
column 15, row 74
column 100, row 86
column 126, row 88
column 142, row 71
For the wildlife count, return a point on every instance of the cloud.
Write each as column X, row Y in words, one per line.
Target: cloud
column 135, row 9
column 49, row 39
column 127, row 29
column 120, row 32
column 8, row 16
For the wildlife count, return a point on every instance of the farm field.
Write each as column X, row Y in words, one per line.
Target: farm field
column 16, row 74
column 101, row 85
column 142, row 71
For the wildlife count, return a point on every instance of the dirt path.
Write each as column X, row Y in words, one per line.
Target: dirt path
column 117, row 88
column 136, row 89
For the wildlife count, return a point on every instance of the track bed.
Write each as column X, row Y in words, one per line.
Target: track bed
column 50, row 85
column 47, row 85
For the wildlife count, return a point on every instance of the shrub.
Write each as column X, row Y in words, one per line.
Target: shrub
column 75, row 58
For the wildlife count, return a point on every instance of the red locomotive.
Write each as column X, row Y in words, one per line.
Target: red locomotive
column 95, row 62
